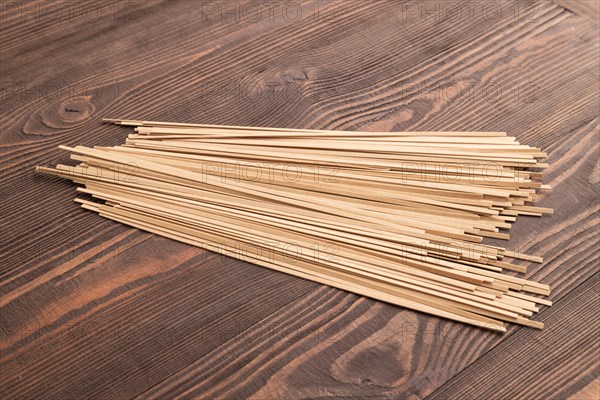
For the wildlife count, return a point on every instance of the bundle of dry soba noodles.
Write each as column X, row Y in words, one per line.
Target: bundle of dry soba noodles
column 396, row 216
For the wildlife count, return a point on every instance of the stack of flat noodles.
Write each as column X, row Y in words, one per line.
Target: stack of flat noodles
column 395, row 216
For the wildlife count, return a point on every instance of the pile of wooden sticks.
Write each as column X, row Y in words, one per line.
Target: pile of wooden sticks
column 396, row 216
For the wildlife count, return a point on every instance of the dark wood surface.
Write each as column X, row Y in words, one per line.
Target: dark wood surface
column 94, row 309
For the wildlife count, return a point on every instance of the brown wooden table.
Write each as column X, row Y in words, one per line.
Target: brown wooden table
column 94, row 309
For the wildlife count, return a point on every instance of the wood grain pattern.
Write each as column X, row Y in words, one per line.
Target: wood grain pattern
column 591, row 391
column 547, row 368
column 587, row 8
column 93, row 309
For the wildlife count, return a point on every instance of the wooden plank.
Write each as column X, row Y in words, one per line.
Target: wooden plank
column 545, row 365
column 591, row 391
column 131, row 318
column 362, row 66
column 586, row 8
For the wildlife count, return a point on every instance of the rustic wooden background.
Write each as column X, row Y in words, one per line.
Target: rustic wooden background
column 94, row 309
